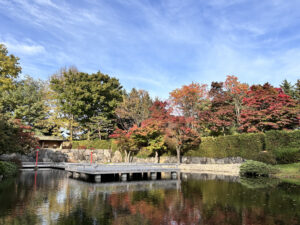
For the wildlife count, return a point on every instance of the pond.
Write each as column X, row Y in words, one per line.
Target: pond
column 50, row 197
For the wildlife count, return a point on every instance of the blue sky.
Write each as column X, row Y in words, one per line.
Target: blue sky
column 156, row 45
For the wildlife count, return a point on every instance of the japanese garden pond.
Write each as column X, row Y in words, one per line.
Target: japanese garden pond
column 50, row 197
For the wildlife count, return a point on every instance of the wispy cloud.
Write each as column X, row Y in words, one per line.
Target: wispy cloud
column 157, row 45
column 21, row 48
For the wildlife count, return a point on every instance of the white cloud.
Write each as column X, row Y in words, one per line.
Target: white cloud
column 23, row 48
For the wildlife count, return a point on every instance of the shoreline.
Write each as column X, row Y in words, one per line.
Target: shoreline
column 220, row 169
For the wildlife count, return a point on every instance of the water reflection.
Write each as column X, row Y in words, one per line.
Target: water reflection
column 49, row 197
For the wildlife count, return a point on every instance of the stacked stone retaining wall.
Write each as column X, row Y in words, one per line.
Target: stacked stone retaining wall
column 109, row 156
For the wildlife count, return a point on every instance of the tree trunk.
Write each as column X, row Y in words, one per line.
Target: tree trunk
column 71, row 128
column 178, row 154
column 237, row 112
column 156, row 157
column 99, row 132
column 89, row 134
column 127, row 156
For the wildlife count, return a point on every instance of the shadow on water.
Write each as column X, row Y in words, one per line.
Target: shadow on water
column 50, row 197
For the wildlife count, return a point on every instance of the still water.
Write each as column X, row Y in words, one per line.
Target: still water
column 50, row 197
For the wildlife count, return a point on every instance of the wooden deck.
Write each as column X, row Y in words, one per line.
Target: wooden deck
column 120, row 171
column 99, row 169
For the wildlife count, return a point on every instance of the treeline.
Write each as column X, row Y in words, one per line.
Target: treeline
column 94, row 106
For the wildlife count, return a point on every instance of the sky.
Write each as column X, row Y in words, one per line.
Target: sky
column 156, row 45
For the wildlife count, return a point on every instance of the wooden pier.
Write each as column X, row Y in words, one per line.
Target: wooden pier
column 123, row 171
column 112, row 172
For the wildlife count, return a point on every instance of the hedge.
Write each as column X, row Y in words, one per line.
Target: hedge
column 271, row 147
column 282, row 139
column 97, row 144
column 287, row 155
column 244, row 145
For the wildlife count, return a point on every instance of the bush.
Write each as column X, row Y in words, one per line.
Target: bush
column 8, row 169
column 253, row 168
column 282, row 139
column 266, row 157
column 244, row 145
column 287, row 155
column 97, row 144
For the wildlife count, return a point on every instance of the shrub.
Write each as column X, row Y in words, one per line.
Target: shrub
column 287, row 155
column 243, row 145
column 266, row 157
column 8, row 169
column 97, row 144
column 281, row 139
column 254, row 168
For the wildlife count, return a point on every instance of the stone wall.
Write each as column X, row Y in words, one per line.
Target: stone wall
column 109, row 156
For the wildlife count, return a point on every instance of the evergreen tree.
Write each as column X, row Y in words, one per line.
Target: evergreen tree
column 288, row 88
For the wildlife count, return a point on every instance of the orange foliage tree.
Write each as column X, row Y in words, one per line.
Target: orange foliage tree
column 237, row 91
column 189, row 99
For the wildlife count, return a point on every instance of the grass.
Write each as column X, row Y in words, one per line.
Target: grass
column 289, row 173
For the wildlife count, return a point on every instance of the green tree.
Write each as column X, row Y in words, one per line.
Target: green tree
column 9, row 69
column 288, row 88
column 99, row 126
column 134, row 108
column 26, row 102
column 81, row 97
column 291, row 90
column 55, row 122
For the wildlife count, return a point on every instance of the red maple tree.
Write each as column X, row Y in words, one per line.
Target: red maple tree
column 266, row 108
column 219, row 118
column 181, row 134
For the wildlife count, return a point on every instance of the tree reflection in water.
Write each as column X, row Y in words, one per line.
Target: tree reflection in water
column 56, row 199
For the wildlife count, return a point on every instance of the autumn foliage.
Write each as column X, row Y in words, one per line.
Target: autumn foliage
column 161, row 131
column 268, row 108
column 15, row 136
column 226, row 108
column 189, row 99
